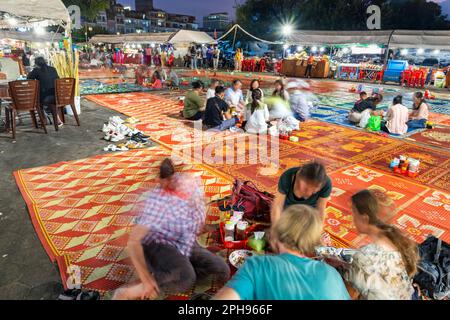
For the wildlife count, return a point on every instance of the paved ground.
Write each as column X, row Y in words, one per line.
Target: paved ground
column 26, row 272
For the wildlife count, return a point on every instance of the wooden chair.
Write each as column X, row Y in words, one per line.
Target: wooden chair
column 64, row 96
column 25, row 97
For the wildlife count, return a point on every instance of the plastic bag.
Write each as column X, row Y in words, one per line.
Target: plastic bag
column 374, row 123
column 365, row 116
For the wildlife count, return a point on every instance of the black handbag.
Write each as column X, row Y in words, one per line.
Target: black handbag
column 434, row 268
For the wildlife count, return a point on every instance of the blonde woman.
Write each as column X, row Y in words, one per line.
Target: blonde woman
column 383, row 269
column 291, row 274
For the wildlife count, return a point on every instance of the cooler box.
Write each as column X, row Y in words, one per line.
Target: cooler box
column 394, row 70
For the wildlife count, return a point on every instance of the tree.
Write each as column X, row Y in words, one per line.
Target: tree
column 265, row 17
column 89, row 8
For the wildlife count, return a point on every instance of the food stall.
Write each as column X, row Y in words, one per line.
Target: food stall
column 132, row 44
column 295, row 66
column 30, row 19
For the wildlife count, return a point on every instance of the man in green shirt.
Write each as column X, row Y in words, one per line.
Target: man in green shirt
column 307, row 185
column 194, row 106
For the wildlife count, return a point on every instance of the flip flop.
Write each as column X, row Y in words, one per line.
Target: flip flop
column 110, row 147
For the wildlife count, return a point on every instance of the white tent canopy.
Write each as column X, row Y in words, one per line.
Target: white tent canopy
column 427, row 39
column 188, row 36
column 177, row 38
column 309, row 38
column 29, row 13
column 30, row 36
column 161, row 37
column 395, row 38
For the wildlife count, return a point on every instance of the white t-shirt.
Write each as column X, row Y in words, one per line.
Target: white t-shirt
column 256, row 121
column 233, row 98
column 217, row 54
column 211, row 93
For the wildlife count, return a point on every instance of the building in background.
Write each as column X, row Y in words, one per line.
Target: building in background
column 216, row 21
column 119, row 19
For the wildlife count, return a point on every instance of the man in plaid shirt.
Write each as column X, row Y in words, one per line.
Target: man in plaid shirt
column 163, row 245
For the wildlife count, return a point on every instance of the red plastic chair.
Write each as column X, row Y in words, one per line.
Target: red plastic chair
column 406, row 76
column 252, row 65
column 262, row 65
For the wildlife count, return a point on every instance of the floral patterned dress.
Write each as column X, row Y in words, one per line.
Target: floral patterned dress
column 379, row 274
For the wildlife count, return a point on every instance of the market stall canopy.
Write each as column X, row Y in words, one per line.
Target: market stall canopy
column 30, row 36
column 29, row 13
column 430, row 39
column 427, row 39
column 161, row 37
column 188, row 36
column 179, row 37
column 309, row 38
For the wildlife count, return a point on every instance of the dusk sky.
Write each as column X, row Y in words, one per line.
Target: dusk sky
column 200, row 8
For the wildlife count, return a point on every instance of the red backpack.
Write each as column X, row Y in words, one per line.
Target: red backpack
column 254, row 203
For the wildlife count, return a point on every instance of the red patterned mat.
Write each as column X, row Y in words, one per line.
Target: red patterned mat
column 83, row 210
column 434, row 166
column 438, row 137
column 420, row 210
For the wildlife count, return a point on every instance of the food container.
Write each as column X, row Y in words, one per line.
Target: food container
column 238, row 244
column 293, row 139
column 413, row 166
column 241, row 228
column 238, row 214
column 230, row 231
column 395, row 162
column 402, row 161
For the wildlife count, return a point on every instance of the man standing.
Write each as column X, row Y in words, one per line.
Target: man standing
column 217, row 113
column 216, row 57
column 205, row 56
column 193, row 54
column 309, row 66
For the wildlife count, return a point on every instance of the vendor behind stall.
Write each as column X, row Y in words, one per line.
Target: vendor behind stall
column 309, row 66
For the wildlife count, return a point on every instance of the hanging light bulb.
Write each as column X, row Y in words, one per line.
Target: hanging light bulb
column 404, row 52
column 314, row 49
column 420, row 51
column 437, row 51
column 322, row 49
column 299, row 48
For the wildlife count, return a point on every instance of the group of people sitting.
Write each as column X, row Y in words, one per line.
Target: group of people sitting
column 164, row 250
column 397, row 120
column 156, row 79
column 224, row 108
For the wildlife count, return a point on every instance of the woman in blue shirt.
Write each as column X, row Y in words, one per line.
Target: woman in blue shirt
column 291, row 274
